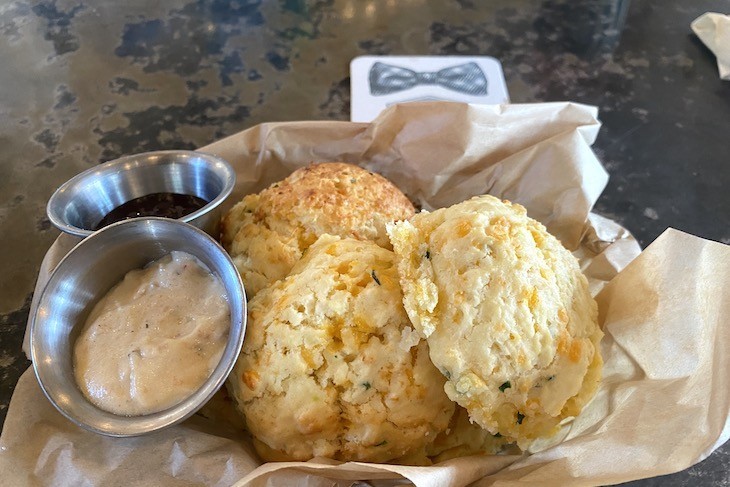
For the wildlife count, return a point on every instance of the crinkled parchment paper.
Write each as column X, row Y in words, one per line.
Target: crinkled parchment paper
column 713, row 29
column 664, row 401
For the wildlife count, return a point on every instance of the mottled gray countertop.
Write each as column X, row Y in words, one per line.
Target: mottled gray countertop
column 82, row 83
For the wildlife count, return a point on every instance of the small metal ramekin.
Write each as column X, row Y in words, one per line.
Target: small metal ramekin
column 80, row 203
column 83, row 277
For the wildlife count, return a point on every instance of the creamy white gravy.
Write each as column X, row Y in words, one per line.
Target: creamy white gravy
column 154, row 338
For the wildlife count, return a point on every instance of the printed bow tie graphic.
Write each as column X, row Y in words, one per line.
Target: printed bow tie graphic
column 465, row 78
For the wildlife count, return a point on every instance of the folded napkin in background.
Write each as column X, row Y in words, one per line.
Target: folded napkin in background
column 714, row 30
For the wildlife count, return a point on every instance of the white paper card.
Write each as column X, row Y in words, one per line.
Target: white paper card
column 378, row 82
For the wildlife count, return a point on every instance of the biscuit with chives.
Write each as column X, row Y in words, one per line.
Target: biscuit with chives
column 331, row 365
column 506, row 312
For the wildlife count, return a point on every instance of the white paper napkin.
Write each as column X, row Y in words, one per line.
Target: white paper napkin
column 714, row 30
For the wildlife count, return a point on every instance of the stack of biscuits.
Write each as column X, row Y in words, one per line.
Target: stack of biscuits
column 379, row 334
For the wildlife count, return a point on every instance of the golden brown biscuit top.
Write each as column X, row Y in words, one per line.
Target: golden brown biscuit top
column 268, row 232
column 336, row 198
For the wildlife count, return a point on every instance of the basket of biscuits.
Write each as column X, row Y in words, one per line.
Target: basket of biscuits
column 429, row 299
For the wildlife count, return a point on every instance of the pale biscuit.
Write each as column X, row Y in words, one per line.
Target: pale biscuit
column 267, row 233
column 507, row 314
column 332, row 367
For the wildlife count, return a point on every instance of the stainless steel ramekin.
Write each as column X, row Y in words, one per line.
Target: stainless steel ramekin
column 80, row 203
column 83, row 277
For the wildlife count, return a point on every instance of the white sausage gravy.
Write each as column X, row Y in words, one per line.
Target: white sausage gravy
column 154, row 338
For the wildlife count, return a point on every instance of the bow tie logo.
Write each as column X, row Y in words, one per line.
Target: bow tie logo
column 465, row 78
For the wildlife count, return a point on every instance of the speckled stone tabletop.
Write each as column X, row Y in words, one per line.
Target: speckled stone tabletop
column 86, row 82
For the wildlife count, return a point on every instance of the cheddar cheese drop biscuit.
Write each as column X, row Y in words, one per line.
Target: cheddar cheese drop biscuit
column 507, row 314
column 332, row 367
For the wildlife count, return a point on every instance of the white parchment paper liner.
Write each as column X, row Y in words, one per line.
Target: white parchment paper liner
column 664, row 402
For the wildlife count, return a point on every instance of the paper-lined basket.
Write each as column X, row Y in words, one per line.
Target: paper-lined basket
column 664, row 402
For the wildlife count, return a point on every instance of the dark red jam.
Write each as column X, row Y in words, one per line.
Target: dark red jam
column 169, row 205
